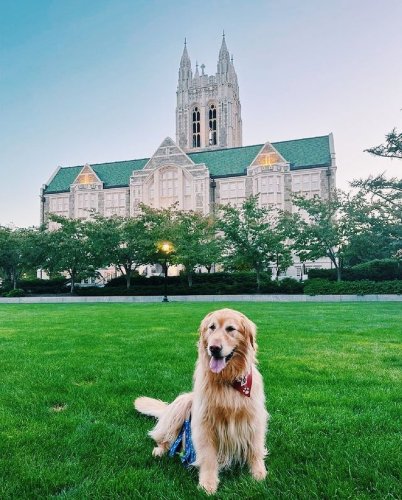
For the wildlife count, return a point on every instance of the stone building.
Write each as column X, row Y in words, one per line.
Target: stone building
column 207, row 164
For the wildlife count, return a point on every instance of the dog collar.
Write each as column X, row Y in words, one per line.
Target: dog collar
column 243, row 384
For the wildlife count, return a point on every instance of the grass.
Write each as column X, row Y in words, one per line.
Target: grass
column 69, row 374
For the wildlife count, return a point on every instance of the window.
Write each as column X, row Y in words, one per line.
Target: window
column 212, row 125
column 169, row 183
column 85, row 202
column 59, row 205
column 115, row 203
column 86, row 178
column 196, row 128
column 232, row 192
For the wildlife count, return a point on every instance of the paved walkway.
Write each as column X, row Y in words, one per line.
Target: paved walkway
column 204, row 298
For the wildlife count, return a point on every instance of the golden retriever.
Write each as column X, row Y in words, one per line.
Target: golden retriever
column 227, row 405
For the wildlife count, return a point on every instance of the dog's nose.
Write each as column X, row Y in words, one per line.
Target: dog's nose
column 215, row 350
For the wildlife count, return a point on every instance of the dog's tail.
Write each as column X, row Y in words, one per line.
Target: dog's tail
column 149, row 406
column 172, row 419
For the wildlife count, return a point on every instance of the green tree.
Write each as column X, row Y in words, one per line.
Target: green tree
column 323, row 228
column 124, row 242
column 21, row 251
column 68, row 250
column 392, row 148
column 250, row 237
column 195, row 242
column 381, row 212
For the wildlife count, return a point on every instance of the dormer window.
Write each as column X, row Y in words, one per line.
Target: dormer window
column 212, row 125
column 196, row 128
column 86, row 178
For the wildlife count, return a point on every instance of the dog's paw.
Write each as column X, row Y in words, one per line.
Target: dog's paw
column 158, row 451
column 209, row 484
column 258, row 471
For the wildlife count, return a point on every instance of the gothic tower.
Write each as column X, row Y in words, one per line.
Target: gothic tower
column 208, row 111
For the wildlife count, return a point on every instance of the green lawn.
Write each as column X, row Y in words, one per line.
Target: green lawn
column 69, row 373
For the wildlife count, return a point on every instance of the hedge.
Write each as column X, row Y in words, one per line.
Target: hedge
column 177, row 286
column 17, row 292
column 363, row 287
column 375, row 270
column 247, row 278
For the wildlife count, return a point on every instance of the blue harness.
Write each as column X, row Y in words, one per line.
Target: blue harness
column 186, row 452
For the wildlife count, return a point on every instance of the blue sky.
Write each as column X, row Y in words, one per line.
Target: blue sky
column 95, row 80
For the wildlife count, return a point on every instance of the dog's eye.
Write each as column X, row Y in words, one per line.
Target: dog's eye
column 212, row 327
column 230, row 329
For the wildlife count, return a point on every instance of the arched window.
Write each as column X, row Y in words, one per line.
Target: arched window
column 196, row 128
column 212, row 124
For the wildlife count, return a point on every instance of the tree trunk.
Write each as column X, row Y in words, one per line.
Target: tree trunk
column 190, row 279
column 72, row 287
column 338, row 273
column 258, row 279
column 14, row 277
column 128, row 277
column 277, row 269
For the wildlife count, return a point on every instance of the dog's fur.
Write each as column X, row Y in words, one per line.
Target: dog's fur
column 226, row 426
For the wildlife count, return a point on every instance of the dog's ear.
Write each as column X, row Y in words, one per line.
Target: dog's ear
column 250, row 331
column 204, row 323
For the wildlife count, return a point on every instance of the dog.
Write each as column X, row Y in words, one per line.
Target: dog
column 226, row 407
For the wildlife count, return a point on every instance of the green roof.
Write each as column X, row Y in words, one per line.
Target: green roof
column 116, row 174
column 300, row 153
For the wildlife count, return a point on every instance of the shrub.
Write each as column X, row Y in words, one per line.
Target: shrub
column 290, row 286
column 39, row 286
column 320, row 286
column 375, row 270
column 217, row 284
column 378, row 270
column 17, row 292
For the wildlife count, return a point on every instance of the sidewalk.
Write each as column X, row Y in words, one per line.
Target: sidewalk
column 203, row 298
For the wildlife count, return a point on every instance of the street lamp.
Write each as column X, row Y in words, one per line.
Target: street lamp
column 166, row 248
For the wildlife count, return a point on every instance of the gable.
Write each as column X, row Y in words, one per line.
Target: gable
column 168, row 152
column 87, row 176
column 267, row 157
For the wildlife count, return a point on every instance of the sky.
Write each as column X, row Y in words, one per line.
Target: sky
column 95, row 81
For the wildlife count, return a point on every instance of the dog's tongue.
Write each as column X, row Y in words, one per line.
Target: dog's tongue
column 217, row 364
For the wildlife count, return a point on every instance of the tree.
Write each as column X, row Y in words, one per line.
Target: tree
column 20, row 252
column 124, row 242
column 322, row 228
column 68, row 250
column 382, row 213
column 249, row 236
column 195, row 242
column 192, row 235
column 392, row 147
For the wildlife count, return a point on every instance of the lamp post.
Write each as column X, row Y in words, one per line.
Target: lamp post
column 166, row 248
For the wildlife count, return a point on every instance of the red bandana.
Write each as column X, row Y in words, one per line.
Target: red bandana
column 243, row 384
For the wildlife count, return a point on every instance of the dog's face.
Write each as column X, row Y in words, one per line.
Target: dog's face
column 226, row 334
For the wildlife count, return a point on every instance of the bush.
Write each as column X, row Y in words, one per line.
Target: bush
column 320, row 286
column 213, row 284
column 38, row 286
column 379, row 270
column 17, row 292
column 375, row 270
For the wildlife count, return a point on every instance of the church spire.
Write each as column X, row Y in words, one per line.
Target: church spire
column 185, row 72
column 223, row 53
column 224, row 58
column 185, row 60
